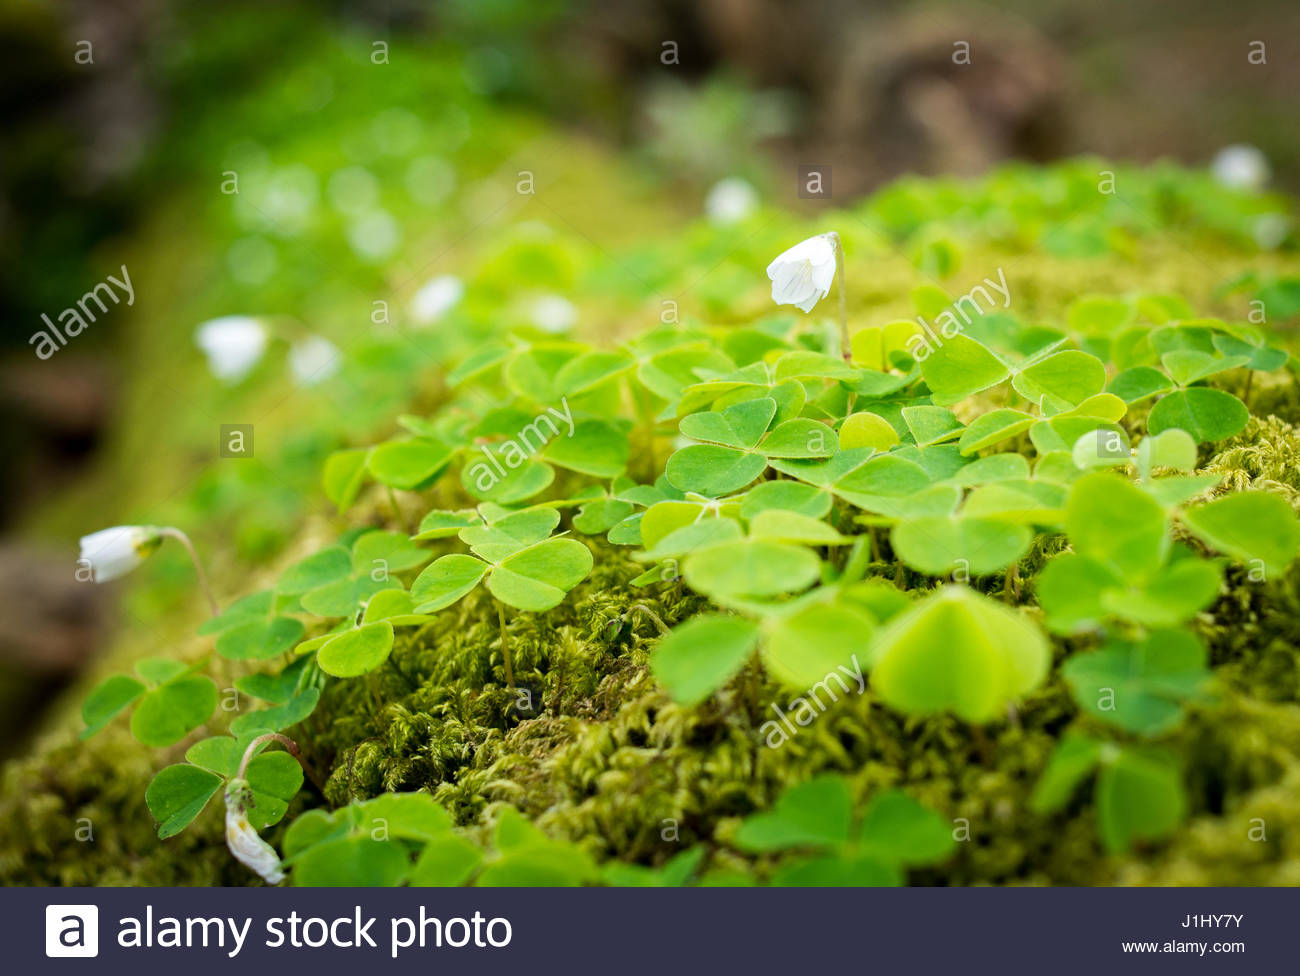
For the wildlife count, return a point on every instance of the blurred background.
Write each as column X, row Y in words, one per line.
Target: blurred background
column 316, row 161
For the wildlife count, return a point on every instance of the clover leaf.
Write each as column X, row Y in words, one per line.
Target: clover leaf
column 520, row 572
column 960, row 367
column 277, row 717
column 410, row 464
column 938, row 544
column 341, row 581
column 702, row 655
column 894, row 832
column 674, row 873
column 108, row 699
column 1138, row 383
column 1062, row 379
column 802, row 646
column 373, row 844
column 169, row 712
column 525, row 857
column 737, row 446
column 1138, row 794
column 867, row 429
column 1141, row 686
column 750, row 569
column 178, row 793
column 878, row 483
column 595, row 447
column 1114, row 523
column 344, row 474
column 957, row 651
column 992, row 428
column 1206, row 414
column 253, row 628
column 1250, row 526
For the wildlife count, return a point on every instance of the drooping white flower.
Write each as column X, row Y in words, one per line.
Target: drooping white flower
column 244, row 841
column 435, row 299
column 802, row 276
column 553, row 313
column 1241, row 167
column 114, row 552
column 313, row 360
column 730, row 200
column 233, row 344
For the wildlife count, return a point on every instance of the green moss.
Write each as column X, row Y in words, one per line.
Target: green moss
column 594, row 752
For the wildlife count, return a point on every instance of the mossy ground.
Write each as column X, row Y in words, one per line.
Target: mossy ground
column 605, row 759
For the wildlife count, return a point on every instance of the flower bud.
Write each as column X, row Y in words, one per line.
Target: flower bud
column 115, row 552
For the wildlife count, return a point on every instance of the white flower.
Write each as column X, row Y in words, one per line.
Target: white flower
column 731, row 200
column 233, row 344
column 554, row 313
column 313, row 360
column 374, row 235
column 1241, row 167
column 435, row 299
column 802, row 275
column 243, row 841
column 114, row 552
column 1270, row 230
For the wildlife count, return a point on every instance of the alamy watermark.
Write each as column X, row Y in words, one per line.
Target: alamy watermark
column 77, row 317
column 806, row 707
column 516, row 450
column 922, row 344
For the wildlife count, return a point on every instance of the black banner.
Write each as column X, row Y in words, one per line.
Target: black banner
column 625, row 931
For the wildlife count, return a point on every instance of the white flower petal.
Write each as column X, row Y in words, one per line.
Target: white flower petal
column 730, row 201
column 115, row 552
column 435, row 299
column 244, row 842
column 233, row 344
column 554, row 313
column 1241, row 167
column 802, row 276
column 314, row 360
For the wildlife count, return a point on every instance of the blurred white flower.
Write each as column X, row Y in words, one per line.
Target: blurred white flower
column 435, row 299
column 374, row 235
column 114, row 552
column 731, row 200
column 313, row 360
column 802, row 276
column 553, row 313
column 353, row 190
column 1271, row 230
column 430, row 180
column 1241, row 167
column 243, row 841
column 233, row 344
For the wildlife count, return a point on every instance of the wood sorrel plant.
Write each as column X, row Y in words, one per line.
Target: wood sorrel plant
column 1028, row 495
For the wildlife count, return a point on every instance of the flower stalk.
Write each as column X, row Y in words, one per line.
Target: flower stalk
column 184, row 540
column 505, row 647
column 845, row 351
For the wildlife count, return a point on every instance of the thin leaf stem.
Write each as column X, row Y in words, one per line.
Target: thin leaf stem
column 290, row 747
column 184, row 540
column 1011, row 586
column 654, row 617
column 505, row 647
column 398, row 514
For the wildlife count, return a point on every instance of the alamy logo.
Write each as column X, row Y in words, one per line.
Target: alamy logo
column 72, row 930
